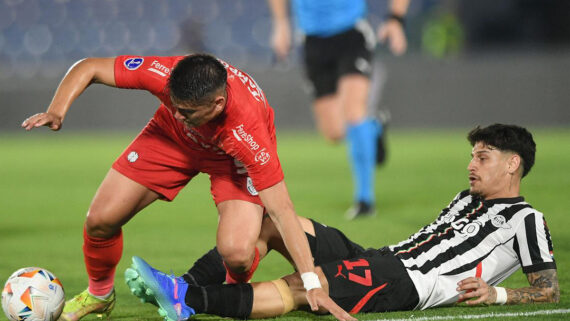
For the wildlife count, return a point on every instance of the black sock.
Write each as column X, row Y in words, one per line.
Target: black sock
column 207, row 270
column 230, row 300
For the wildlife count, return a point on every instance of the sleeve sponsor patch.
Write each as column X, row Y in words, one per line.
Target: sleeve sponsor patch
column 133, row 63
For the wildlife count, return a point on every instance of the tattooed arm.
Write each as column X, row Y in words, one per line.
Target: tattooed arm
column 543, row 288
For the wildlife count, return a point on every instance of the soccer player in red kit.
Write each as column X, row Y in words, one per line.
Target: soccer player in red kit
column 213, row 119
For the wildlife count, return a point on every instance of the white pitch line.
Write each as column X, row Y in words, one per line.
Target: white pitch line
column 481, row 316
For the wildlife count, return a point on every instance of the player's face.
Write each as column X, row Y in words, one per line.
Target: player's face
column 489, row 173
column 197, row 115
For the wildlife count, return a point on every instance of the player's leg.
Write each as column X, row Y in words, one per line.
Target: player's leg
column 117, row 200
column 353, row 96
column 240, row 214
column 178, row 300
column 377, row 82
column 206, row 271
column 255, row 300
column 149, row 168
column 355, row 68
column 362, row 134
column 239, row 226
column 320, row 68
column 209, row 268
column 327, row 244
column 271, row 239
column 330, row 118
column 375, row 283
column 275, row 298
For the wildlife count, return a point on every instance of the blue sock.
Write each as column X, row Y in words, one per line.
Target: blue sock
column 361, row 139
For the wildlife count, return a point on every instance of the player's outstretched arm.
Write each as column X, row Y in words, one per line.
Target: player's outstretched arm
column 543, row 288
column 279, row 206
column 82, row 74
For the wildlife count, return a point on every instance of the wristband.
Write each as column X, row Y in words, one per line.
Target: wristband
column 501, row 295
column 393, row 16
column 310, row 280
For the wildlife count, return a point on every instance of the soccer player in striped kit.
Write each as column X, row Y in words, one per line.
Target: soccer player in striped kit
column 483, row 236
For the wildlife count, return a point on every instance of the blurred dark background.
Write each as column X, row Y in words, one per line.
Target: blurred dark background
column 469, row 62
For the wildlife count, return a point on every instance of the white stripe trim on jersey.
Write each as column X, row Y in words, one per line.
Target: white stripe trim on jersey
column 541, row 238
column 482, row 316
column 521, row 235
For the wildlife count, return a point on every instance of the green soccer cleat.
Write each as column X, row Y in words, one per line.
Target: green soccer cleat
column 138, row 288
column 84, row 303
column 165, row 291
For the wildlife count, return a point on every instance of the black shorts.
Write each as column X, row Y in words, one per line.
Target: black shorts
column 330, row 244
column 375, row 281
column 329, row 58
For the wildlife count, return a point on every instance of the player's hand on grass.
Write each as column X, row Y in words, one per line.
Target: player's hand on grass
column 478, row 290
column 43, row 119
column 319, row 299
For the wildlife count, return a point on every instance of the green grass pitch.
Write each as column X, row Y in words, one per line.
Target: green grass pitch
column 47, row 181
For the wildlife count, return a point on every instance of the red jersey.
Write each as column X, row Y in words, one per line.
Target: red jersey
column 244, row 130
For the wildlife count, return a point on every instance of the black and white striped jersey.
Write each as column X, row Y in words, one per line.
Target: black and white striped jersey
column 472, row 237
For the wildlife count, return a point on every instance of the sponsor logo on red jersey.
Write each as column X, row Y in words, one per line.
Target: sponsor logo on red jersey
column 262, row 156
column 250, row 188
column 159, row 69
column 132, row 157
column 133, row 63
column 242, row 136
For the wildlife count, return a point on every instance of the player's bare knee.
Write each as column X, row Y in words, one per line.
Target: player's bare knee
column 238, row 258
column 96, row 226
column 334, row 136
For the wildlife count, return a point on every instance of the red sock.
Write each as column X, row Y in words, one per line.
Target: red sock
column 101, row 258
column 243, row 277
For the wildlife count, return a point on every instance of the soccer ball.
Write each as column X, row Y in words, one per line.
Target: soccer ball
column 32, row 294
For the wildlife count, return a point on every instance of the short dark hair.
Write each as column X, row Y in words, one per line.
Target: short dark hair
column 511, row 138
column 196, row 78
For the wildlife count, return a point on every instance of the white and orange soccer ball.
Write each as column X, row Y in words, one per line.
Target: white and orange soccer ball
column 33, row 294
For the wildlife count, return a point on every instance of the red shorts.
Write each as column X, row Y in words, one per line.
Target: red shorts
column 165, row 162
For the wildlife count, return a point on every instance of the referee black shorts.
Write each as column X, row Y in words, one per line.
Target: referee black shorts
column 375, row 281
column 329, row 58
